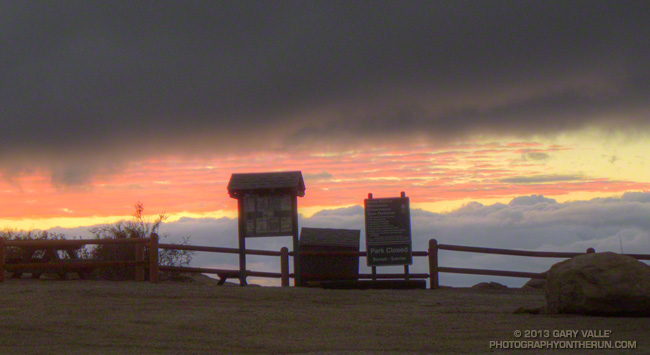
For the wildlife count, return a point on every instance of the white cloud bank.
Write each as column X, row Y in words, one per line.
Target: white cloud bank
column 527, row 222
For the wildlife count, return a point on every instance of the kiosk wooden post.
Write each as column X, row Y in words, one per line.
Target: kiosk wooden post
column 296, row 244
column 242, row 243
column 284, row 266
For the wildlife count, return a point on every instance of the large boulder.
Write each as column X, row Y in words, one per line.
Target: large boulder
column 603, row 284
column 490, row 286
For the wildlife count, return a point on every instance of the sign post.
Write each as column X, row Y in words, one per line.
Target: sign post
column 388, row 231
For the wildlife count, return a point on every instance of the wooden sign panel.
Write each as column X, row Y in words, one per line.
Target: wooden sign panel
column 268, row 215
column 388, row 231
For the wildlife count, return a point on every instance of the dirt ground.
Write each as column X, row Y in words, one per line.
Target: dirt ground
column 102, row 317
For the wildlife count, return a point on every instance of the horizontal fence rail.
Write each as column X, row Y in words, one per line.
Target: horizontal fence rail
column 348, row 253
column 456, row 270
column 539, row 254
column 369, row 276
column 71, row 243
column 153, row 266
column 72, row 265
column 218, row 249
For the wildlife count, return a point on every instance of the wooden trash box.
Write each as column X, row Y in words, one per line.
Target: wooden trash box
column 317, row 268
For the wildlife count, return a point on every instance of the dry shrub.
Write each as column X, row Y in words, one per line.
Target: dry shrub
column 139, row 227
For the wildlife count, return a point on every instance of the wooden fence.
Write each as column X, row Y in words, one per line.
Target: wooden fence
column 50, row 247
column 434, row 269
column 284, row 254
column 431, row 253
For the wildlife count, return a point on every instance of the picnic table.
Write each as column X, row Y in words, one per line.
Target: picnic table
column 45, row 254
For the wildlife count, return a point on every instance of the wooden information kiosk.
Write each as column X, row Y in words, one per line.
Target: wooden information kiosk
column 268, row 207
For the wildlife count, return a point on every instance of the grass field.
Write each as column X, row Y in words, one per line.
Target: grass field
column 101, row 317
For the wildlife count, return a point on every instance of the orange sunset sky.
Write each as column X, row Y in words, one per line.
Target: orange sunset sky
column 435, row 178
column 108, row 104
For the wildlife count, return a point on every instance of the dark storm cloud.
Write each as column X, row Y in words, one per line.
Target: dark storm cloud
column 105, row 82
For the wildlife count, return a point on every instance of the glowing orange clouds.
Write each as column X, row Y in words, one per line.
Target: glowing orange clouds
column 174, row 185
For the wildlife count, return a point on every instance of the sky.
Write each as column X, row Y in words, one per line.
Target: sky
column 460, row 104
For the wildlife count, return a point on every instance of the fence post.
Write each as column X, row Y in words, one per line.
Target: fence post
column 139, row 257
column 284, row 266
column 2, row 260
column 433, row 264
column 153, row 258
